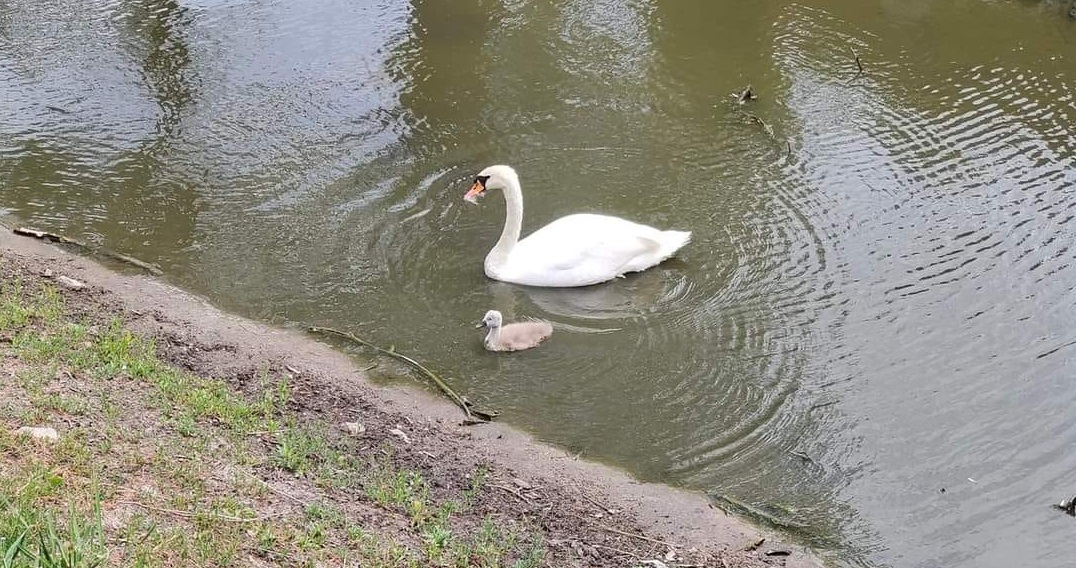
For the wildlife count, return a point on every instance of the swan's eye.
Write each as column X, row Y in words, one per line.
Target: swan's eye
column 477, row 190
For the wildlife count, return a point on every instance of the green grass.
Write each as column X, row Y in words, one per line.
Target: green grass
column 45, row 541
column 300, row 450
column 172, row 462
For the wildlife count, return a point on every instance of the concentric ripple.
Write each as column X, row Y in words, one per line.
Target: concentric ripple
column 957, row 186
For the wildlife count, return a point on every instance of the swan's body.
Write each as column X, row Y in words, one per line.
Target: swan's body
column 577, row 250
column 512, row 336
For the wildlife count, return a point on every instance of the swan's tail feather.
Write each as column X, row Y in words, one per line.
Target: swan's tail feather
column 672, row 241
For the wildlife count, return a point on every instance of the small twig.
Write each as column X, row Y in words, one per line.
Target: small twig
column 859, row 65
column 805, row 458
column 272, row 489
column 597, row 504
column 618, row 551
column 632, row 535
column 765, row 126
column 822, row 405
column 189, row 515
column 513, row 492
column 638, row 536
column 769, row 131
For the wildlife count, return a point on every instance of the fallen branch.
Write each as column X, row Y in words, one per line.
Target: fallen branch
column 466, row 405
column 55, row 238
column 47, row 236
column 132, row 261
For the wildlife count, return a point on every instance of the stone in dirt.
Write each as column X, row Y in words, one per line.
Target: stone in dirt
column 68, row 282
column 65, row 281
column 353, row 428
column 39, row 432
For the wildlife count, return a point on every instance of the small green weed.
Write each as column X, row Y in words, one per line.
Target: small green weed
column 299, row 450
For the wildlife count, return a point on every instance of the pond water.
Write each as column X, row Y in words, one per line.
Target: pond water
column 870, row 342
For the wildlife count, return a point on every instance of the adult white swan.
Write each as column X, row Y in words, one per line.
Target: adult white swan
column 577, row 250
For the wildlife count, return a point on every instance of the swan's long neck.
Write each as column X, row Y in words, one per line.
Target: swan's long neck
column 513, row 224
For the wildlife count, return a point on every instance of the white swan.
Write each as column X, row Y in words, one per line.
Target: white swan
column 577, row 250
column 512, row 336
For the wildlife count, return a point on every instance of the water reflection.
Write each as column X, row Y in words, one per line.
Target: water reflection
column 629, row 297
column 101, row 177
column 157, row 32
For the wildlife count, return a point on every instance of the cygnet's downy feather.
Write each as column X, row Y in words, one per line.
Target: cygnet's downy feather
column 512, row 336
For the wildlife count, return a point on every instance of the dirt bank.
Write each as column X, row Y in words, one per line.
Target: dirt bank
column 588, row 514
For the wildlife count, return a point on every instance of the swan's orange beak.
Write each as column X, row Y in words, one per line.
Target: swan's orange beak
column 476, row 190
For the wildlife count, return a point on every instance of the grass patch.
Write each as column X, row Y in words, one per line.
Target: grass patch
column 157, row 467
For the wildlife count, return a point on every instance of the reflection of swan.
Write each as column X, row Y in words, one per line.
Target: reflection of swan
column 624, row 299
column 512, row 336
column 577, row 250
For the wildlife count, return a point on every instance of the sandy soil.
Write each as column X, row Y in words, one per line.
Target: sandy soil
column 593, row 515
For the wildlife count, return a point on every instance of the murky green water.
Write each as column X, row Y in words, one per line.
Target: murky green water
column 879, row 302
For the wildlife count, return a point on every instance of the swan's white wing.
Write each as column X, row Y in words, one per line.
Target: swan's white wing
column 581, row 249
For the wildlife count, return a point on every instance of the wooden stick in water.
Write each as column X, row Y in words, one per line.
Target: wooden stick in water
column 461, row 401
column 53, row 237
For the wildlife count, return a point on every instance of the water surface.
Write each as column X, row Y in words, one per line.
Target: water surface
column 878, row 303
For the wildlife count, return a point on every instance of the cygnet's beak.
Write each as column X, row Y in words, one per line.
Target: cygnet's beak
column 475, row 192
column 480, row 324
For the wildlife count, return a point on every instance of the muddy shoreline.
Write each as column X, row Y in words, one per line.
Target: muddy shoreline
column 585, row 501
